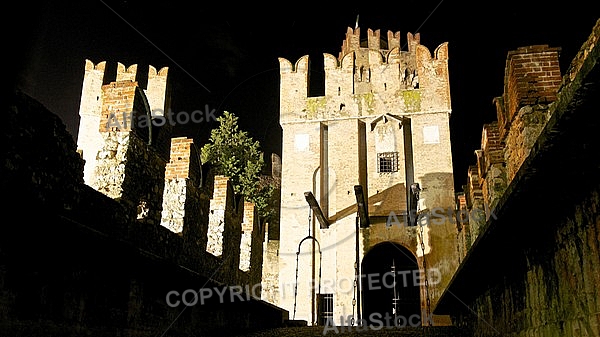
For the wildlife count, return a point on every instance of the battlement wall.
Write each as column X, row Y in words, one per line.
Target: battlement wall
column 113, row 256
column 541, row 238
column 168, row 204
column 531, row 83
column 366, row 79
column 135, row 196
column 121, row 106
column 354, row 42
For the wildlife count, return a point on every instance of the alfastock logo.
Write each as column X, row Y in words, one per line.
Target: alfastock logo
column 158, row 117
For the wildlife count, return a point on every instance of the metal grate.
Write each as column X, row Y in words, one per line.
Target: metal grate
column 387, row 162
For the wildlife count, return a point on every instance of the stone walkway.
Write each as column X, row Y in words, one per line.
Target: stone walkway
column 440, row 331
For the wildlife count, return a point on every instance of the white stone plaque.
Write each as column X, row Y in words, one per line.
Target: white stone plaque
column 431, row 134
column 301, row 142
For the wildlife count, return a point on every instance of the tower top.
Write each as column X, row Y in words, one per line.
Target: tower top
column 374, row 41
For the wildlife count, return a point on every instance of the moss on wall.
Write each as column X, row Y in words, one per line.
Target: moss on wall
column 314, row 105
column 366, row 103
column 412, row 100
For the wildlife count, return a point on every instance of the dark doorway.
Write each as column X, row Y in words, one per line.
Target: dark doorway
column 390, row 284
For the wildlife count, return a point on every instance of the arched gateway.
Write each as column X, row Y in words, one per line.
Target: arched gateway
column 390, row 286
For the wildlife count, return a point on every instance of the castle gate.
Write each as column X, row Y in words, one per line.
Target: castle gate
column 389, row 285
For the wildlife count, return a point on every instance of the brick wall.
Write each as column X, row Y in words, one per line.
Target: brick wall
column 532, row 76
column 126, row 155
column 492, row 172
column 185, row 205
column 118, row 109
column 541, row 253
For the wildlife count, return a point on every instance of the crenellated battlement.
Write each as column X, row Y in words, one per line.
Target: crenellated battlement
column 89, row 66
column 368, row 75
column 531, row 85
column 159, row 180
column 94, row 77
column 374, row 41
column 118, row 106
column 351, row 42
column 393, row 39
column 118, row 249
column 126, row 73
column 538, row 176
column 169, row 210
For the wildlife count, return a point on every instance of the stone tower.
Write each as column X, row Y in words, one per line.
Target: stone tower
column 120, row 139
column 349, row 245
column 100, row 100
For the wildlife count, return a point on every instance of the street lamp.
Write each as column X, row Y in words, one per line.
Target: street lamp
column 363, row 212
column 314, row 206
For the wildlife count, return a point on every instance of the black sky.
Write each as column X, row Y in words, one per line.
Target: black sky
column 225, row 56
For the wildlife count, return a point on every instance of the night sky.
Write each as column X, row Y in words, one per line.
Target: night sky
column 228, row 61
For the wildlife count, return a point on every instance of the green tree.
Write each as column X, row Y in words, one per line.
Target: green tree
column 233, row 153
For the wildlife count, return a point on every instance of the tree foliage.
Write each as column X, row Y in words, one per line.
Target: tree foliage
column 233, row 153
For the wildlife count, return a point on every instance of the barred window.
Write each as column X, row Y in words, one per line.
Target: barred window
column 387, row 162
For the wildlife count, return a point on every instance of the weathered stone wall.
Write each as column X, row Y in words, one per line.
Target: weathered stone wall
column 216, row 219
column 463, row 236
column 186, row 201
column 532, row 78
column 475, row 206
column 539, row 249
column 127, row 156
column 301, row 146
column 27, row 124
column 248, row 225
column 119, row 169
column 173, row 208
column 182, row 173
column 89, row 139
column 270, row 271
column 270, row 254
column 491, row 166
column 257, row 243
column 112, row 107
column 251, row 244
column 524, row 131
column 100, row 263
column 556, row 294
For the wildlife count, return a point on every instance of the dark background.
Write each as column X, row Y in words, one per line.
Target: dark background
column 224, row 55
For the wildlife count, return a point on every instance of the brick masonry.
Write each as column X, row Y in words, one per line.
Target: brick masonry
column 544, row 193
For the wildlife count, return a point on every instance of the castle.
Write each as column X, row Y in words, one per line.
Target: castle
column 377, row 145
column 381, row 128
column 370, row 224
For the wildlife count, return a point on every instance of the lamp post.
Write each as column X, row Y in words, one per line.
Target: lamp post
column 314, row 206
column 362, row 221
